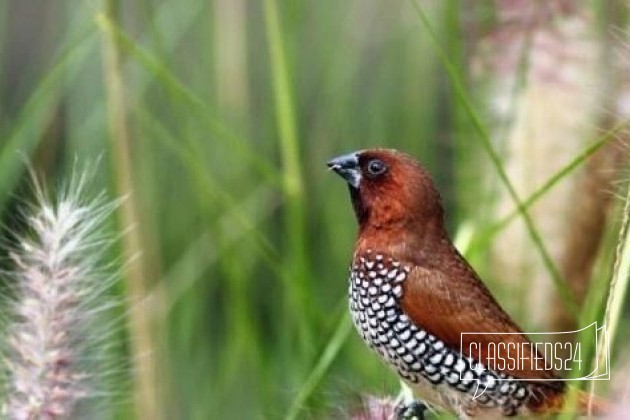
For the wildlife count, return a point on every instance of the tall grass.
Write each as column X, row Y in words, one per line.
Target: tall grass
column 139, row 272
column 240, row 237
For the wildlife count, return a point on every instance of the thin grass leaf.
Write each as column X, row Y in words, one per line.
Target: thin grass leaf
column 565, row 293
column 180, row 91
column 338, row 338
column 139, row 271
column 208, row 189
column 618, row 288
column 293, row 185
column 26, row 132
column 578, row 160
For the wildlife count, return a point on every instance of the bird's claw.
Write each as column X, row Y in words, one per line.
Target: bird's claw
column 411, row 411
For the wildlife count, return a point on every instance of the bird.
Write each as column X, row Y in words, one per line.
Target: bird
column 412, row 295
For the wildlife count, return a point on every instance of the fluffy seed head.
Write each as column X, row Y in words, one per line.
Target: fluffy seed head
column 58, row 297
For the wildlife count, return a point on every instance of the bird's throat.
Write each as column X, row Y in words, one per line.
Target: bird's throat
column 360, row 209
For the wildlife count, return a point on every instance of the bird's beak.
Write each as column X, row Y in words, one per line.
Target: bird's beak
column 347, row 166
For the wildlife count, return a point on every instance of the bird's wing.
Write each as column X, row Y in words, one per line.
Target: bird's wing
column 447, row 308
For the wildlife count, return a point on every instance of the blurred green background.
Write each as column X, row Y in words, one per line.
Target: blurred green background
column 216, row 117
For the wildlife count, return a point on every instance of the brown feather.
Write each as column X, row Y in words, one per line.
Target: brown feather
column 451, row 300
column 401, row 217
column 443, row 294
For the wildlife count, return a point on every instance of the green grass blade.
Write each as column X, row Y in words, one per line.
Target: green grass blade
column 581, row 158
column 182, row 92
column 293, row 185
column 339, row 336
column 618, row 288
column 565, row 293
column 26, row 132
column 208, row 189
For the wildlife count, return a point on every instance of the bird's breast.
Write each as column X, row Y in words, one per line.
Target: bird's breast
column 375, row 293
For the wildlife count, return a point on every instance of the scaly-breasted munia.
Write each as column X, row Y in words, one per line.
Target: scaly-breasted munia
column 412, row 294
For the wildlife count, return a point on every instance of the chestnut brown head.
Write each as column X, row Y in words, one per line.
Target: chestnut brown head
column 389, row 189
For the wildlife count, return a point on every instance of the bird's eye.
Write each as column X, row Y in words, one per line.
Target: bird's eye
column 376, row 167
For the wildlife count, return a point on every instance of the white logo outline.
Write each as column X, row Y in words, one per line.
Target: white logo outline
column 592, row 376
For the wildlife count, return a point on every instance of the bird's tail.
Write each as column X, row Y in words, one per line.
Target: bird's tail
column 583, row 404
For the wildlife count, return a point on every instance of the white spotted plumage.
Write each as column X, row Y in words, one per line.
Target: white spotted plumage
column 376, row 288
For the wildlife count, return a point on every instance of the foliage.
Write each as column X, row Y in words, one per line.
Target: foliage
column 230, row 109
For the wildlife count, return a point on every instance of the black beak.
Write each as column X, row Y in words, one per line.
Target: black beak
column 347, row 166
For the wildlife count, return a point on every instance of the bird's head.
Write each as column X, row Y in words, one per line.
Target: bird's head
column 390, row 190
